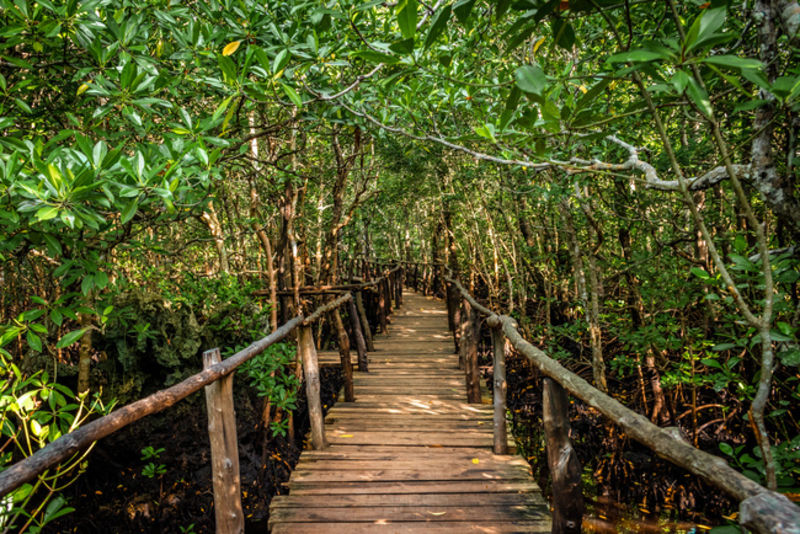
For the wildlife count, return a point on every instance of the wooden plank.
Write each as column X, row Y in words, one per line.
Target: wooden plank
column 394, row 438
column 476, row 526
column 408, row 499
column 481, row 487
column 442, row 513
column 411, row 463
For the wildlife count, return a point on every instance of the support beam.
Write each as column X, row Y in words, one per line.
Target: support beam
column 224, row 450
column 308, row 355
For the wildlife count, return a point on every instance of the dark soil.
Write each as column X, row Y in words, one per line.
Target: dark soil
column 114, row 495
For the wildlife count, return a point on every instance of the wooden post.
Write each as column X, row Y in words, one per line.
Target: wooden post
column 308, row 355
column 224, row 450
column 362, row 312
column 453, row 314
column 382, row 307
column 469, row 352
column 500, row 435
column 387, row 296
column 361, row 346
column 344, row 355
column 399, row 287
column 565, row 469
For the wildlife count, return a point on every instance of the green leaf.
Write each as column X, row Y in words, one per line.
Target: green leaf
column 636, row 56
column 129, row 211
column 402, row 47
column 70, row 338
column 53, row 246
column 462, row 9
column 563, row 34
column 34, row 341
column 726, row 449
column 699, row 97
column 679, row 81
column 46, row 213
column 708, row 362
column 407, row 19
column 531, row 79
column 292, row 94
column 373, row 56
column 280, row 61
column 704, row 27
column 733, row 62
column 790, row 358
column 700, row 273
column 438, row 25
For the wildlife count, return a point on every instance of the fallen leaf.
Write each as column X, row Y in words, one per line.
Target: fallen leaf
column 230, row 48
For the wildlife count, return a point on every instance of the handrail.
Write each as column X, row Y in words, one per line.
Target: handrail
column 760, row 509
column 329, row 288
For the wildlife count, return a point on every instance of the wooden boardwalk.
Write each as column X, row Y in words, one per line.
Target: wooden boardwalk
column 410, row 455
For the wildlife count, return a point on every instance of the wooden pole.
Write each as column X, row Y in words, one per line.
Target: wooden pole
column 387, row 296
column 224, row 450
column 361, row 346
column 399, row 287
column 469, row 352
column 565, row 469
column 453, row 314
column 366, row 329
column 344, row 355
column 308, row 354
column 500, row 433
column 382, row 308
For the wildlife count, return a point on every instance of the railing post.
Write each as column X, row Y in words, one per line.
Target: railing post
column 400, row 277
column 453, row 314
column 387, row 295
column 469, row 352
column 382, row 307
column 362, row 312
column 344, row 355
column 361, row 346
column 224, row 450
column 308, row 355
column 499, row 394
column 565, row 469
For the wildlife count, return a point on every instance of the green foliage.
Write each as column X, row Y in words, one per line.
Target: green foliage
column 152, row 469
column 271, row 374
column 35, row 411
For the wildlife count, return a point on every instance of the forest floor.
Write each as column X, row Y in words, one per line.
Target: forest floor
column 116, row 491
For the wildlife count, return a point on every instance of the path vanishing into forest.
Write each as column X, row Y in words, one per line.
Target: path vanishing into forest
column 410, row 454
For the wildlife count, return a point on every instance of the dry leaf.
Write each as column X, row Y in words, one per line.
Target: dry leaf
column 230, row 48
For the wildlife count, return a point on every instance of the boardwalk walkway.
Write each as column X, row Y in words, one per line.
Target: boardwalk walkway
column 410, row 455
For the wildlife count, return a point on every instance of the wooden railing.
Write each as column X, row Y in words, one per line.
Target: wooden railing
column 760, row 509
column 217, row 379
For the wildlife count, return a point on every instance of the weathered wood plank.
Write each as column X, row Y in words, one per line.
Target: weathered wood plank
column 481, row 487
column 368, row 514
column 408, row 499
column 477, row 526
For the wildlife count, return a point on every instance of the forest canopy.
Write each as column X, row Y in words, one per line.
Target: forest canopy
column 620, row 176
